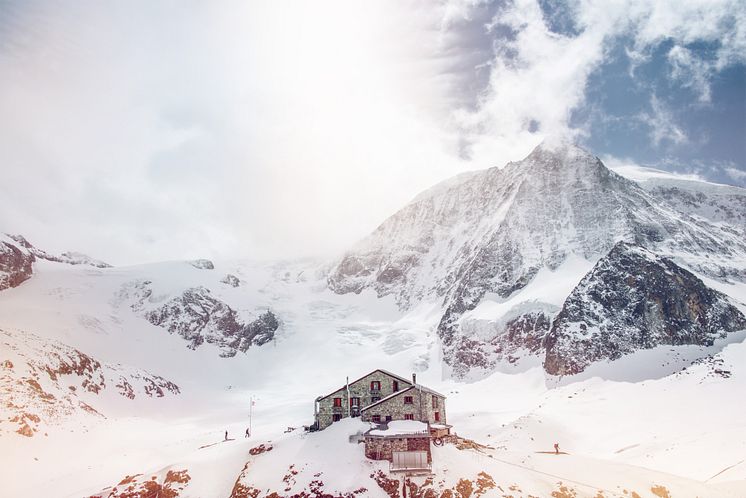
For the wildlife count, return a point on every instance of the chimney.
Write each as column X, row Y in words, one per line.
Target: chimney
column 414, row 379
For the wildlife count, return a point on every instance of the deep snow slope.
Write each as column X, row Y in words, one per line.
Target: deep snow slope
column 45, row 382
column 66, row 313
column 711, row 201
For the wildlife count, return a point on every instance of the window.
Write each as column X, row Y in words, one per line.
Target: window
column 375, row 399
column 376, row 419
column 388, row 418
column 408, row 416
column 338, row 402
column 437, row 416
column 408, row 400
column 354, row 401
column 375, row 385
column 395, row 386
column 435, row 402
column 336, row 417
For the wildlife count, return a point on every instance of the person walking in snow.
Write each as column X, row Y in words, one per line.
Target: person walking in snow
column 247, row 432
column 226, row 435
column 556, row 448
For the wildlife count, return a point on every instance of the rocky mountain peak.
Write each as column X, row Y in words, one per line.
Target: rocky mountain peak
column 491, row 232
column 559, row 150
column 566, row 165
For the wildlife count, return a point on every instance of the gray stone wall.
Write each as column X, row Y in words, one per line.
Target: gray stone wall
column 382, row 448
column 359, row 389
column 421, row 408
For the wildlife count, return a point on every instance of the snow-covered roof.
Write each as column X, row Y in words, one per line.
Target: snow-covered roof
column 364, row 376
column 397, row 393
column 401, row 428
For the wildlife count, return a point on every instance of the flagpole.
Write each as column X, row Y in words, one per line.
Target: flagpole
column 251, row 409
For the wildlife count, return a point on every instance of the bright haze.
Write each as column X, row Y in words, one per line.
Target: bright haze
column 144, row 131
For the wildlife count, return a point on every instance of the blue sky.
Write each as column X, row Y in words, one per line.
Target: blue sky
column 671, row 100
column 619, row 99
column 144, row 131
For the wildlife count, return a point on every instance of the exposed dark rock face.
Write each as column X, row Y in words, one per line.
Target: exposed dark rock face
column 202, row 264
column 231, row 280
column 631, row 300
column 199, row 317
column 16, row 265
column 528, row 330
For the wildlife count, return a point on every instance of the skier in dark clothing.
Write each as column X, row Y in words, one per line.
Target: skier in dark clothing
column 247, row 432
column 226, row 435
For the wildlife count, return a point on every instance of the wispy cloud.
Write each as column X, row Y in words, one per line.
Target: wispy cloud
column 662, row 125
column 691, row 71
column 540, row 74
column 738, row 175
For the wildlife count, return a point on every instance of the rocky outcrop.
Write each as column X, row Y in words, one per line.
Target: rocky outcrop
column 17, row 257
column 199, row 317
column 164, row 484
column 202, row 264
column 634, row 299
column 16, row 263
column 78, row 258
column 231, row 280
column 44, row 381
column 70, row 258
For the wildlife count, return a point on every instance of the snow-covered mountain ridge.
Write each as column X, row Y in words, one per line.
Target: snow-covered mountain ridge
column 17, row 256
column 488, row 236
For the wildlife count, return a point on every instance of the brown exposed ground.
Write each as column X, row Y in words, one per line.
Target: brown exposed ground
column 137, row 486
column 660, row 491
column 465, row 488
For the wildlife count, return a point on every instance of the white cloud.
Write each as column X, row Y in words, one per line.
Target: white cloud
column 541, row 75
column 691, row 71
column 144, row 131
column 736, row 174
column 152, row 131
column 663, row 127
